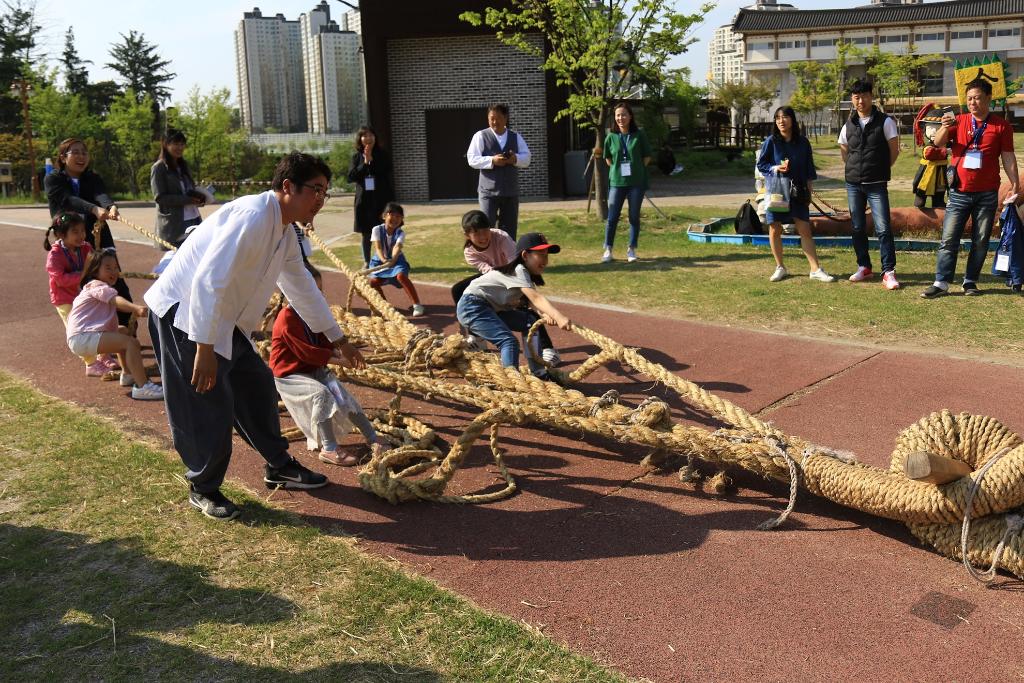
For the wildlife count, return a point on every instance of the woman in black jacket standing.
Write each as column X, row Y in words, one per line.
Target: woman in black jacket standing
column 75, row 187
column 370, row 171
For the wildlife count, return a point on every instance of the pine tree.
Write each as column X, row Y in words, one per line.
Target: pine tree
column 142, row 72
column 76, row 76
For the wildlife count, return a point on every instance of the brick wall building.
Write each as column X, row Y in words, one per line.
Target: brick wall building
column 429, row 79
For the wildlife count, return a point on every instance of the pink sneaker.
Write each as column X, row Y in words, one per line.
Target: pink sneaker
column 96, row 369
column 110, row 361
column 861, row 274
column 890, row 281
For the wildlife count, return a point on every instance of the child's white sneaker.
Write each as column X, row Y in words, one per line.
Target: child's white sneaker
column 551, row 357
column 779, row 274
column 418, row 310
column 607, row 257
column 148, row 392
column 126, row 379
column 631, row 255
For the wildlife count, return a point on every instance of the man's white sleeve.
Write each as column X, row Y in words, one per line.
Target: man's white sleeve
column 475, row 154
column 305, row 297
column 523, row 155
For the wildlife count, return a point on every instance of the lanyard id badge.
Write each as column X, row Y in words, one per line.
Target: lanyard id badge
column 369, row 183
column 972, row 157
column 625, row 165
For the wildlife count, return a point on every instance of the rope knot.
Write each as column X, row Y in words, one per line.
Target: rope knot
column 607, row 400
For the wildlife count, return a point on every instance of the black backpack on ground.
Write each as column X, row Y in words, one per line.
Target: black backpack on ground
column 747, row 221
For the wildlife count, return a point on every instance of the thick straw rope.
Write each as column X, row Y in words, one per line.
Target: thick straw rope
column 409, row 359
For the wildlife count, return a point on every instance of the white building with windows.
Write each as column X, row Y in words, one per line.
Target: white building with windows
column 725, row 58
column 268, row 61
column 956, row 29
column 302, row 76
column 333, row 70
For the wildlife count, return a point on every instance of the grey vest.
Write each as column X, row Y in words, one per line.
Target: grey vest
column 501, row 181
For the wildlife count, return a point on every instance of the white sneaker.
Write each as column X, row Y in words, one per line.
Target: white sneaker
column 779, row 274
column 126, row 379
column 607, row 258
column 473, row 343
column 861, row 274
column 821, row 276
column 551, row 357
column 631, row 255
column 418, row 310
column 148, row 392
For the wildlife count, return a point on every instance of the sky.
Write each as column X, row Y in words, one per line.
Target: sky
column 198, row 35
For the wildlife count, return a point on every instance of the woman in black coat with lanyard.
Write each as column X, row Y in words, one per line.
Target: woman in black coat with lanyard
column 370, row 170
column 75, row 187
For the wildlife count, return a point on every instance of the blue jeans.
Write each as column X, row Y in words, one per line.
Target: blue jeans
column 859, row 197
column 981, row 208
column 477, row 316
column 616, row 197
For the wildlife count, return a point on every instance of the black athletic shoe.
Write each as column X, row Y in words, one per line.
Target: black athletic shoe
column 933, row 292
column 971, row 289
column 1015, row 288
column 292, row 476
column 213, row 504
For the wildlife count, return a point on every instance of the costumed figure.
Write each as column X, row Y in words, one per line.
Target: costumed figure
column 930, row 179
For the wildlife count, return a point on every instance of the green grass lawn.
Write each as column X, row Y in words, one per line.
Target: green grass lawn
column 729, row 284
column 107, row 574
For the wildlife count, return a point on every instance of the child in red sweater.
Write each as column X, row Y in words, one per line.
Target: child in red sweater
column 314, row 397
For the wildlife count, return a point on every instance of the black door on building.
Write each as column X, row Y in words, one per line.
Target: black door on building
column 448, row 134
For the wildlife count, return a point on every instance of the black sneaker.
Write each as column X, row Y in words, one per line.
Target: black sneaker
column 933, row 292
column 292, row 476
column 213, row 504
column 1015, row 288
column 971, row 289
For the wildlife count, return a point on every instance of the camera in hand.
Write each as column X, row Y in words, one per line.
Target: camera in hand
column 507, row 154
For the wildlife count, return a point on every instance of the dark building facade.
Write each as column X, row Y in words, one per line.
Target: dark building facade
column 429, row 79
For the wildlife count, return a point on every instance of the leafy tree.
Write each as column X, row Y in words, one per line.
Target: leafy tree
column 687, row 98
column 57, row 115
column 744, row 97
column 896, row 76
column 599, row 51
column 814, row 90
column 76, row 76
column 213, row 132
column 129, row 125
column 100, row 96
column 142, row 71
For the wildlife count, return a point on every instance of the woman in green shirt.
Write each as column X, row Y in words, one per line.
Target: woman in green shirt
column 627, row 153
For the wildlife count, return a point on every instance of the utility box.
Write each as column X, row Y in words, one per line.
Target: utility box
column 5, row 172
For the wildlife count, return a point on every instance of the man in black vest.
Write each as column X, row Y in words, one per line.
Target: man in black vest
column 870, row 144
column 498, row 152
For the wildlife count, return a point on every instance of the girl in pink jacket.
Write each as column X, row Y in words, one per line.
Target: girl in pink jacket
column 65, row 261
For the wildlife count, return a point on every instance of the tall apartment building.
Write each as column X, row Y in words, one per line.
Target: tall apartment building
column 300, row 76
column 951, row 30
column 725, row 58
column 333, row 72
column 268, row 60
